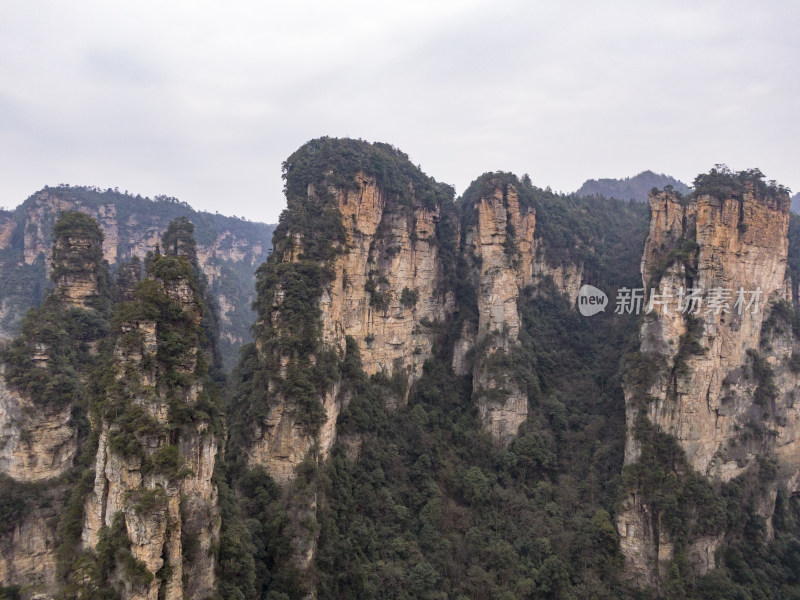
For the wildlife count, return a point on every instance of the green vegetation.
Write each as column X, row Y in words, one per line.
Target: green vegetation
column 153, row 353
column 766, row 391
column 568, row 226
column 53, row 354
column 77, row 248
column 631, row 188
column 311, row 230
column 409, row 297
column 11, row 592
column 721, row 182
column 177, row 364
column 24, row 283
column 683, row 252
column 332, row 161
column 415, row 501
column 682, row 501
column 424, row 509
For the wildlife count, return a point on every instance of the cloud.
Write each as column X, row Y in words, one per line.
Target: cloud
column 203, row 100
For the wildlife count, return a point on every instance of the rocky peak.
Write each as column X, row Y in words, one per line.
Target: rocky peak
column 77, row 259
column 500, row 246
column 357, row 255
column 42, row 377
column 729, row 243
column 178, row 240
column 157, row 445
column 229, row 250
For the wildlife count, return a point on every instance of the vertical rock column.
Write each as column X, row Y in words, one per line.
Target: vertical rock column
column 700, row 392
column 383, row 285
column 157, row 446
column 501, row 243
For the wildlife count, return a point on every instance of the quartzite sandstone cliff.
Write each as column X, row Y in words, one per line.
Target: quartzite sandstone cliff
column 379, row 276
column 724, row 386
column 388, row 283
column 229, row 250
column 152, row 509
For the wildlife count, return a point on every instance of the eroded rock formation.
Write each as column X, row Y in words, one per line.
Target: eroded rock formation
column 229, row 250
column 720, row 380
column 150, row 521
column 384, row 287
column 157, row 446
column 374, row 255
column 500, row 245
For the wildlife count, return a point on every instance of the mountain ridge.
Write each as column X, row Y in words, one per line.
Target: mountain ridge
column 229, row 250
column 424, row 411
column 636, row 187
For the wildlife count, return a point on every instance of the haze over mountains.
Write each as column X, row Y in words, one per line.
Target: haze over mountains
column 229, row 250
column 637, row 187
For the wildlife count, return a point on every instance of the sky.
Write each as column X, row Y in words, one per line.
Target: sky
column 203, row 99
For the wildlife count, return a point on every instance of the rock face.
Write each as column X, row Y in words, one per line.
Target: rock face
column 375, row 265
column 39, row 434
column 392, row 250
column 385, row 278
column 28, row 554
column 36, row 442
column 159, row 478
column 76, row 263
column 38, row 438
column 566, row 277
column 152, row 513
column 229, row 250
column 712, row 385
column 385, row 290
column 500, row 246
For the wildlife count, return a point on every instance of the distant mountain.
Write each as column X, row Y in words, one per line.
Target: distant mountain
column 229, row 251
column 796, row 203
column 637, row 187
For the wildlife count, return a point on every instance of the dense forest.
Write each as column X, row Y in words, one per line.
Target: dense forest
column 413, row 498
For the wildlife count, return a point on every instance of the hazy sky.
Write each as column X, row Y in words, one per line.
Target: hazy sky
column 203, row 100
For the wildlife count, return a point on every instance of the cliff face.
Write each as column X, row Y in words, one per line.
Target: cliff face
column 38, row 435
column 36, row 442
column 385, row 288
column 388, row 281
column 156, row 477
column 28, row 552
column 501, row 248
column 374, row 258
column 149, row 524
column 229, row 250
column 723, row 372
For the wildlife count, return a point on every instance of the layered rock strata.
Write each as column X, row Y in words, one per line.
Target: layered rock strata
column 159, row 477
column 384, row 289
column 500, row 245
column 707, row 392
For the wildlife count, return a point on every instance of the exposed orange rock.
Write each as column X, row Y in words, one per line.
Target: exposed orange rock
column 739, row 244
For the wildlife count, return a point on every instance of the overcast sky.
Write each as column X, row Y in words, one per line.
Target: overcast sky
column 203, row 100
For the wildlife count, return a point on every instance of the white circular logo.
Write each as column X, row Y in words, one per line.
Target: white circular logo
column 591, row 300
